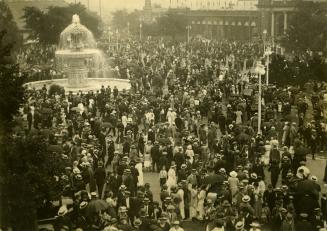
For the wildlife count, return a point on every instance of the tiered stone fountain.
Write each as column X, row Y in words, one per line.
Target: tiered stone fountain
column 83, row 65
column 77, row 55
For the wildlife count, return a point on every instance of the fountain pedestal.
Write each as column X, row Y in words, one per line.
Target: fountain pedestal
column 75, row 66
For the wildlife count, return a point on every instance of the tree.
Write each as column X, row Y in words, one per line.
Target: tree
column 10, row 38
column 27, row 168
column 170, row 24
column 27, row 180
column 47, row 26
column 121, row 18
column 307, row 28
column 11, row 80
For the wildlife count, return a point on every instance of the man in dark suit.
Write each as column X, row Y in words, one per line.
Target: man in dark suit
column 100, row 177
column 146, row 221
column 135, row 204
column 113, row 182
column 155, row 155
column 148, row 207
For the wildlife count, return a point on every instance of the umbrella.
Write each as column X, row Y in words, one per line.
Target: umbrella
column 96, row 206
column 301, row 151
column 46, row 110
column 55, row 148
column 77, row 109
column 107, row 125
column 212, row 179
column 164, row 141
column 243, row 137
column 306, row 187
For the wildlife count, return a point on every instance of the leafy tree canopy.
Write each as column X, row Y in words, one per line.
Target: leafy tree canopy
column 47, row 26
column 170, row 24
column 27, row 180
column 308, row 28
column 9, row 35
column 11, row 80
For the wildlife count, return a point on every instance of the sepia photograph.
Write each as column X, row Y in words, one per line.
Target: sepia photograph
column 163, row 115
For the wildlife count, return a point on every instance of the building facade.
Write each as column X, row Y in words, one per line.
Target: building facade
column 221, row 19
column 275, row 15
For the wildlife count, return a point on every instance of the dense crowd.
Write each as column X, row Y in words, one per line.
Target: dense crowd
column 191, row 117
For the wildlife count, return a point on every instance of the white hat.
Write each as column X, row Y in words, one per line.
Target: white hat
column 76, row 171
column 233, row 174
column 83, row 204
column 93, row 194
column 254, row 175
column 62, row 211
column 314, row 178
column 246, row 198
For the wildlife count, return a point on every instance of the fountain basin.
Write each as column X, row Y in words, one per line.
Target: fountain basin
column 93, row 84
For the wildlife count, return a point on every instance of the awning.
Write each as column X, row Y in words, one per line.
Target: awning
column 239, row 24
column 221, row 23
column 253, row 24
column 246, row 24
column 233, row 23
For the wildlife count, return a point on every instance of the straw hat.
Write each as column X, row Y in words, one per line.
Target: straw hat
column 233, row 174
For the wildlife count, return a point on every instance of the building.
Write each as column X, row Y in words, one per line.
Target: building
column 152, row 11
column 275, row 15
column 147, row 12
column 221, row 19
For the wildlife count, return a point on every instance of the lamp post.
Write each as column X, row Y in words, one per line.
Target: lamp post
column 140, row 31
column 117, row 39
column 259, row 70
column 109, row 33
column 264, row 37
column 188, row 28
column 268, row 52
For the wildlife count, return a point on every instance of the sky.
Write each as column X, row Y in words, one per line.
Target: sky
column 111, row 5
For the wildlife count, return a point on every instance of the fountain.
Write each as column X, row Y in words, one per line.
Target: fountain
column 77, row 55
column 81, row 62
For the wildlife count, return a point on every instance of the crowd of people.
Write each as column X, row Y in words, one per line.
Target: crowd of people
column 191, row 118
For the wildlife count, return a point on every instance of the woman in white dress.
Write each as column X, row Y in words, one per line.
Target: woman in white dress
column 124, row 120
column 238, row 116
column 200, row 207
column 193, row 200
column 265, row 156
column 139, row 168
column 233, row 183
column 172, row 181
